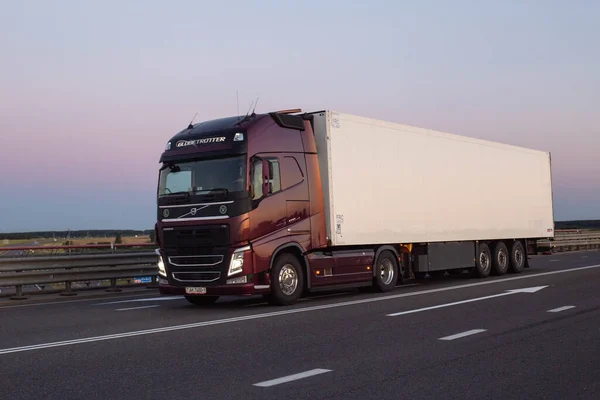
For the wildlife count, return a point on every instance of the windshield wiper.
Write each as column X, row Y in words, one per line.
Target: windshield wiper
column 186, row 194
column 220, row 190
column 212, row 193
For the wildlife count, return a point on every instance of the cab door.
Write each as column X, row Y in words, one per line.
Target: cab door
column 268, row 218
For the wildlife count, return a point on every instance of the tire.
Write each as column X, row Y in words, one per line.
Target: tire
column 287, row 280
column 500, row 259
column 386, row 272
column 517, row 257
column 483, row 266
column 202, row 300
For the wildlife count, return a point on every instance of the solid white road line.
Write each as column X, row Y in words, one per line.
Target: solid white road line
column 285, row 312
column 136, row 308
column 49, row 303
column 559, row 309
column 162, row 298
column 290, row 378
column 507, row 293
column 463, row 334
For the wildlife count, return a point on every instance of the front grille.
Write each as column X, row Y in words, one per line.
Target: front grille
column 196, row 276
column 186, row 238
column 196, row 261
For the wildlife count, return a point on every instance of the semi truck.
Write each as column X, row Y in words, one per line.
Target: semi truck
column 288, row 202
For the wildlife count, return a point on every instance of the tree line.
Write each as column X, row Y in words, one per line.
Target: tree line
column 78, row 234
column 580, row 224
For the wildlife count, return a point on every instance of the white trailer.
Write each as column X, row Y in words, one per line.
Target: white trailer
column 390, row 183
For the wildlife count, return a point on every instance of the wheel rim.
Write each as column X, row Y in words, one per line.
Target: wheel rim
column 484, row 261
column 502, row 259
column 288, row 279
column 518, row 257
column 386, row 272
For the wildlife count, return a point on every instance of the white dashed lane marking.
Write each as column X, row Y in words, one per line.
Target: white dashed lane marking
column 290, row 378
column 559, row 309
column 463, row 334
column 136, row 308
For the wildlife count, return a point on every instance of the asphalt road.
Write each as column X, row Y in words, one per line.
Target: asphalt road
column 531, row 335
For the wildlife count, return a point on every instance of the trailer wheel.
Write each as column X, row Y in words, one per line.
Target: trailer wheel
column 386, row 272
column 517, row 257
column 287, row 280
column 483, row 266
column 500, row 259
column 202, row 300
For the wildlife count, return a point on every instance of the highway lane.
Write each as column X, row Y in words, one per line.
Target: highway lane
column 364, row 351
column 76, row 318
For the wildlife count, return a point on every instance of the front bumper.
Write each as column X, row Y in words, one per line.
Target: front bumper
column 246, row 289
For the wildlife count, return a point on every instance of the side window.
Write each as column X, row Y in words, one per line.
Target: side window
column 257, row 177
column 292, row 174
column 257, row 180
column 275, row 175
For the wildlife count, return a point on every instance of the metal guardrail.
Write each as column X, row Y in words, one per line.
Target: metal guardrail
column 586, row 240
column 30, row 251
column 18, row 272
column 107, row 264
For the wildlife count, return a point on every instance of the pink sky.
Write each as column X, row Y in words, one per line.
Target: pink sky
column 90, row 94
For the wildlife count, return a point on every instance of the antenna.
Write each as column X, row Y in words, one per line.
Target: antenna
column 190, row 126
column 248, row 112
column 237, row 96
column 255, row 106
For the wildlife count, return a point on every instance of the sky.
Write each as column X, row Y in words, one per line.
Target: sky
column 91, row 91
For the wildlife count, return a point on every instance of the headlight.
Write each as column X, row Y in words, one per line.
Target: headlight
column 237, row 261
column 161, row 265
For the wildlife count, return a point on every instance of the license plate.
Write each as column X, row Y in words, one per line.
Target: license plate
column 195, row 290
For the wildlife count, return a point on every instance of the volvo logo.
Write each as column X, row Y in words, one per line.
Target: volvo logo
column 166, row 213
column 223, row 209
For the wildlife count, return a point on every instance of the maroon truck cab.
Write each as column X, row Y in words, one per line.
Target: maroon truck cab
column 240, row 207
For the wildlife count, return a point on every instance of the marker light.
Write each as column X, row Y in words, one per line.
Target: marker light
column 239, row 137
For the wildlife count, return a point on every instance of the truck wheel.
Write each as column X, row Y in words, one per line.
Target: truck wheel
column 500, row 260
column 517, row 257
column 202, row 300
column 483, row 266
column 386, row 272
column 287, row 280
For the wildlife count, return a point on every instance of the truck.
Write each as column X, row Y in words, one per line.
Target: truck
column 288, row 202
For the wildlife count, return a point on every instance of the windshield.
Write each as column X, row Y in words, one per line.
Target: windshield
column 216, row 176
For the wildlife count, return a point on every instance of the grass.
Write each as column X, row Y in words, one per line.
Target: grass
column 104, row 240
